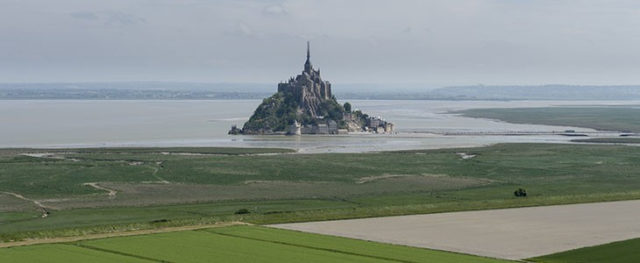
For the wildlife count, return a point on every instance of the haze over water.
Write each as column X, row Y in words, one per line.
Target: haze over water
column 107, row 123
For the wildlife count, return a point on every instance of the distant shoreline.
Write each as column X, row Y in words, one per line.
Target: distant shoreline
column 257, row 96
column 201, row 91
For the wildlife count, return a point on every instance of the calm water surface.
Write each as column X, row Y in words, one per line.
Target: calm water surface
column 91, row 123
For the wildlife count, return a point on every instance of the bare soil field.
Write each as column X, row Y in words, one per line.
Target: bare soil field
column 516, row 233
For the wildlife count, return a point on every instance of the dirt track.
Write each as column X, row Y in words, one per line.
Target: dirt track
column 114, row 234
column 110, row 192
column 506, row 233
column 37, row 203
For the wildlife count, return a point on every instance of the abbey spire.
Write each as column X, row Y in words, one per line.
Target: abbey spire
column 307, row 65
column 304, row 105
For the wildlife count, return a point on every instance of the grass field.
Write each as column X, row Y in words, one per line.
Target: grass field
column 347, row 246
column 230, row 244
column 55, row 253
column 167, row 187
column 625, row 119
column 617, row 252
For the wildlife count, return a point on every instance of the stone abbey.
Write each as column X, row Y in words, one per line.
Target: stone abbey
column 305, row 105
column 308, row 88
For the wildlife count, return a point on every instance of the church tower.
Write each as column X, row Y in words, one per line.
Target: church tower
column 307, row 65
column 308, row 88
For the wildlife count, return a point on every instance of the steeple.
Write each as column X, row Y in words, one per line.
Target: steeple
column 307, row 65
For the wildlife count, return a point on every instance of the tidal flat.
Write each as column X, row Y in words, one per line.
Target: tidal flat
column 419, row 124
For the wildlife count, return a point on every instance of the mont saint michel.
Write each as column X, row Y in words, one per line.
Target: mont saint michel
column 305, row 105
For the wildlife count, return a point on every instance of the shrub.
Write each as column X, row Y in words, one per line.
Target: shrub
column 242, row 211
column 520, row 192
column 347, row 107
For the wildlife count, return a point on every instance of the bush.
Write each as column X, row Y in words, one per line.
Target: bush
column 520, row 192
column 242, row 211
column 347, row 107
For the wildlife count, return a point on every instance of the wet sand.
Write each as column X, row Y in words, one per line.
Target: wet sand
column 160, row 123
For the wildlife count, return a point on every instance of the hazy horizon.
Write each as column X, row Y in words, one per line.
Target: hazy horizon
column 428, row 43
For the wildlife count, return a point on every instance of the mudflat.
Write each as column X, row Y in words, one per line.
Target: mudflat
column 516, row 233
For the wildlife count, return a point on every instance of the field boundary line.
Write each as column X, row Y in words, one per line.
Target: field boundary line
column 116, row 234
column 119, row 253
column 310, row 247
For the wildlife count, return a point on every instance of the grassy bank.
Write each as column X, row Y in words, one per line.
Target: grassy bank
column 624, row 140
column 599, row 118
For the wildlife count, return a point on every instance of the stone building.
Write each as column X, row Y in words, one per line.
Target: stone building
column 305, row 105
column 308, row 87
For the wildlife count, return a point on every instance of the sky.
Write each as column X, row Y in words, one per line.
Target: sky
column 430, row 43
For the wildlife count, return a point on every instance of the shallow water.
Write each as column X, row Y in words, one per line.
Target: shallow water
column 94, row 123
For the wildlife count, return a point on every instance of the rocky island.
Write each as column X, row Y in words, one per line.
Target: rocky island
column 305, row 105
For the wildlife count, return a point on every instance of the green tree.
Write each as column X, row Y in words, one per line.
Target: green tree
column 347, row 107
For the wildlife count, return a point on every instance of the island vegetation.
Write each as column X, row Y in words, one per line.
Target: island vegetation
column 279, row 111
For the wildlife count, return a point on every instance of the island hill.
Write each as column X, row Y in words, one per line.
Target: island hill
column 305, row 105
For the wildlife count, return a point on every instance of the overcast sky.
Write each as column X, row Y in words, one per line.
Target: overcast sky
column 435, row 43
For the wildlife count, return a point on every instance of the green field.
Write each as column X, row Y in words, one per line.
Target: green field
column 230, row 244
column 186, row 186
column 617, row 252
column 626, row 119
column 55, row 253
